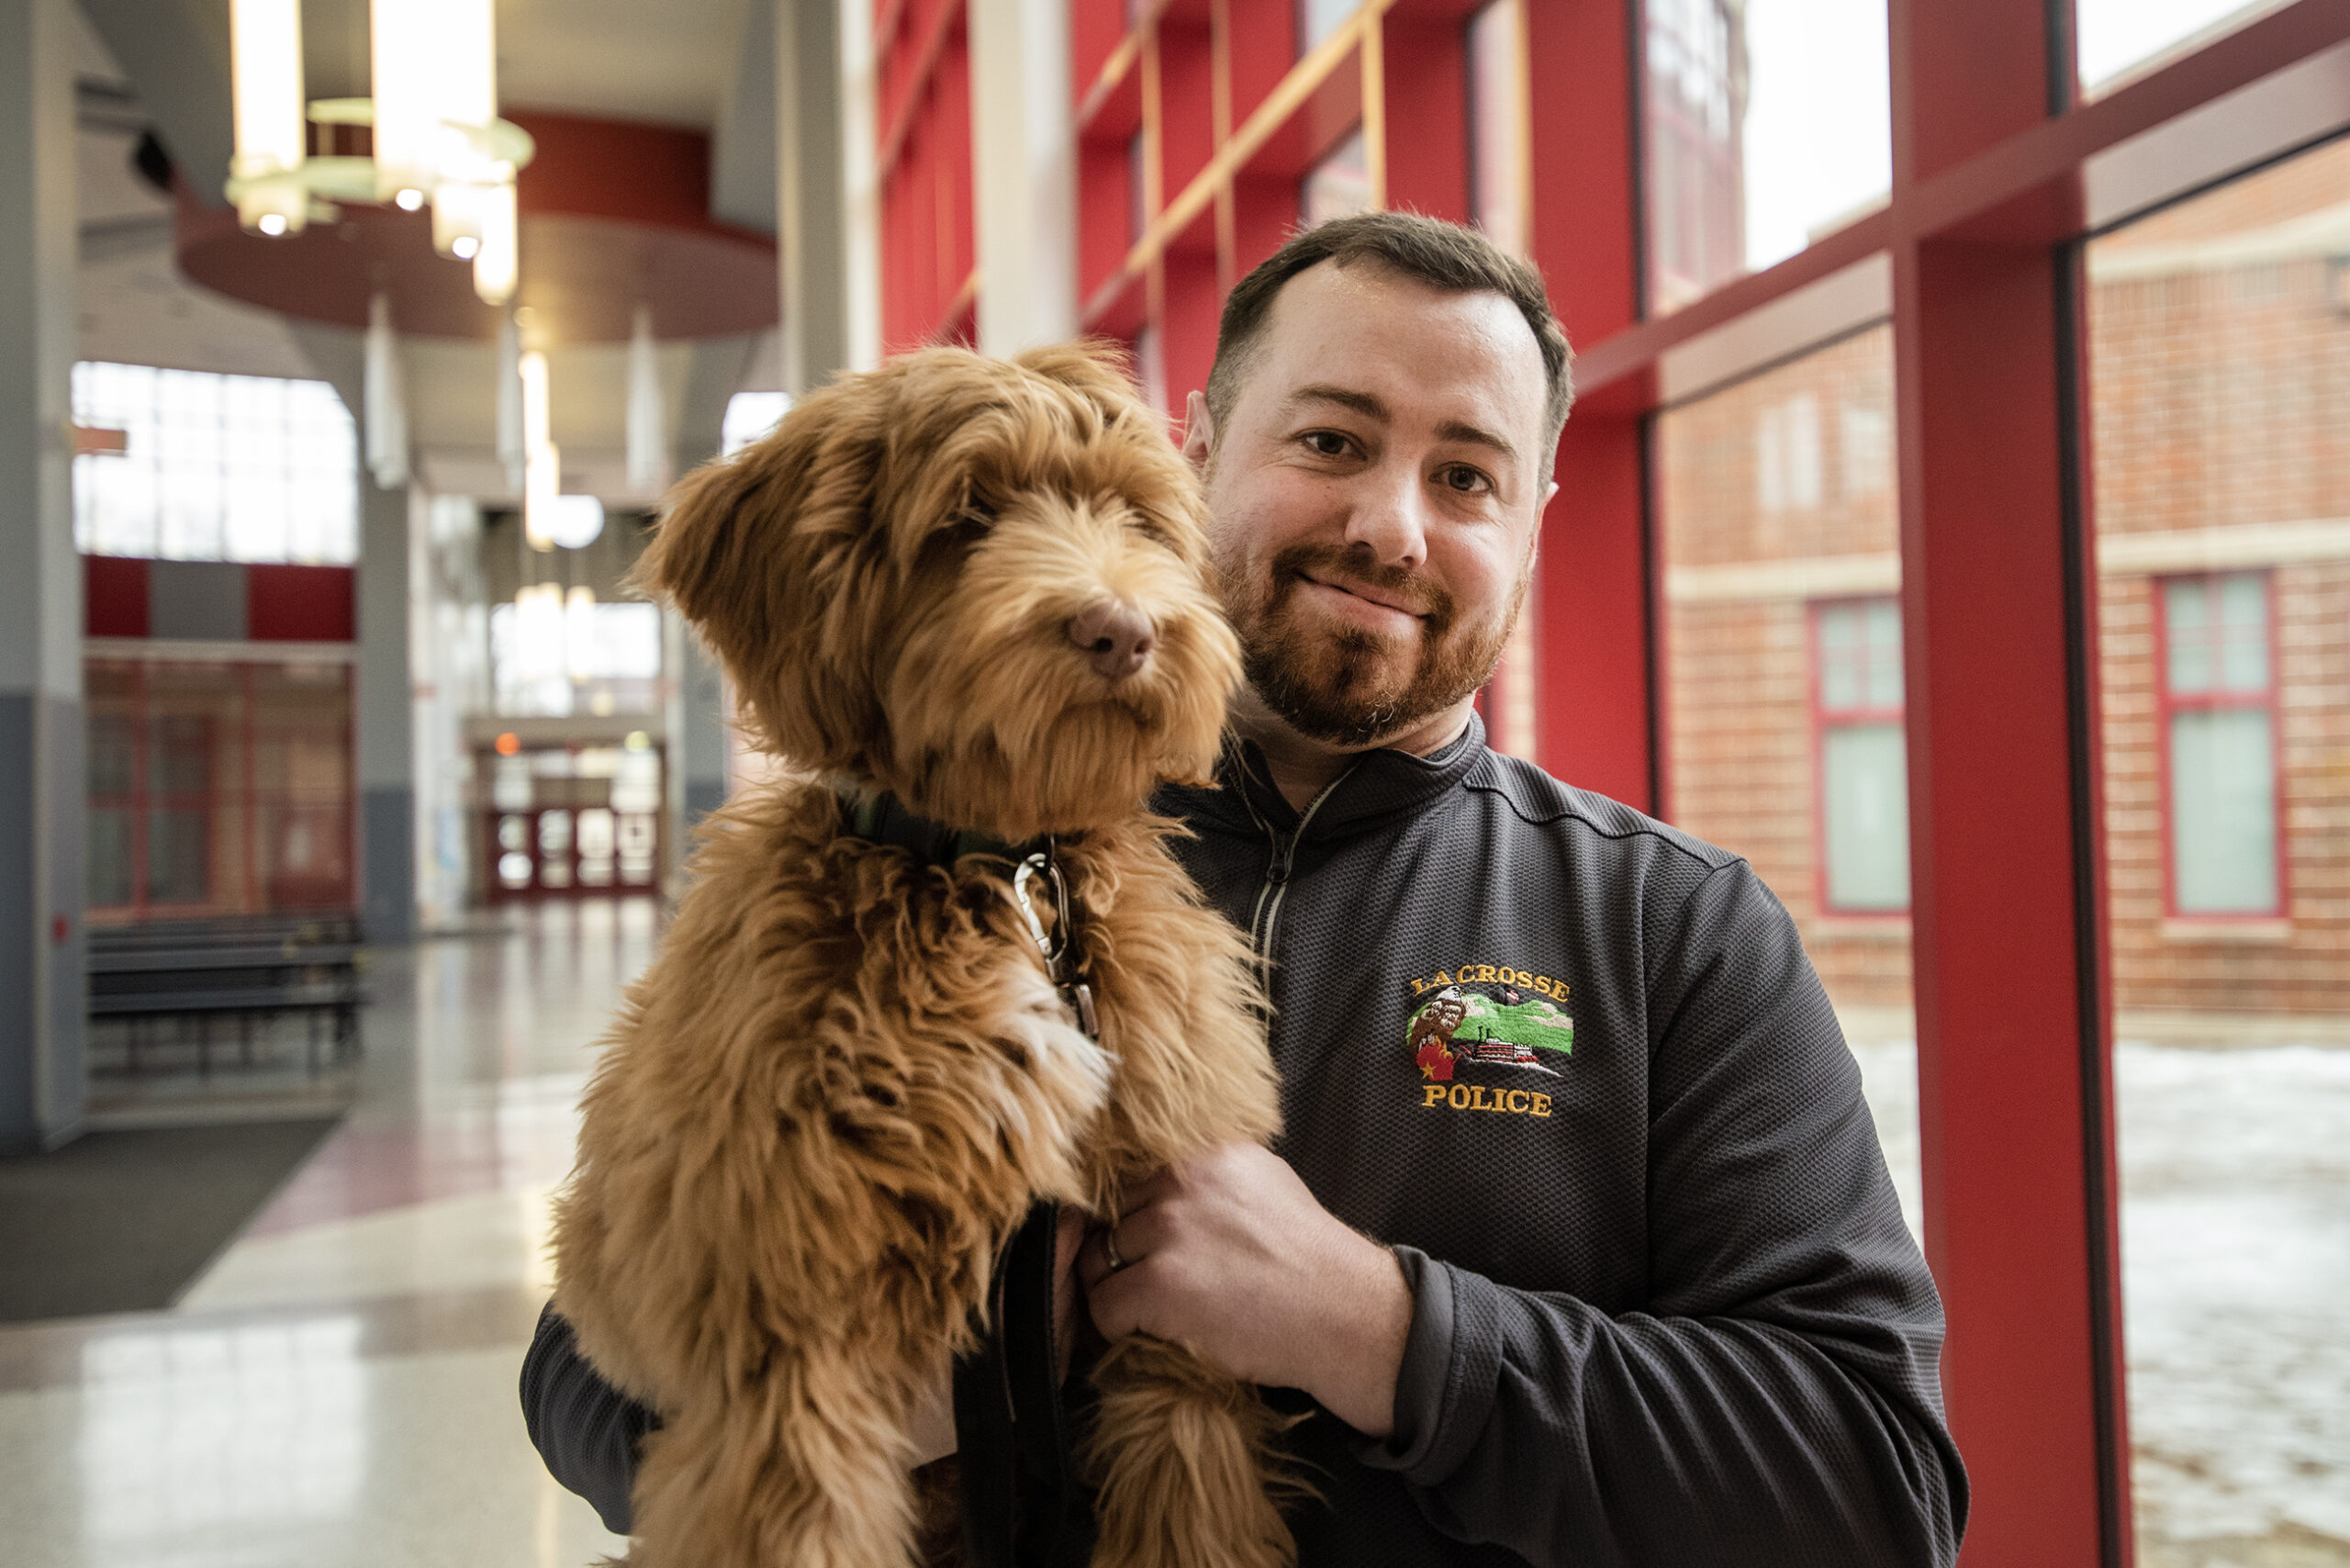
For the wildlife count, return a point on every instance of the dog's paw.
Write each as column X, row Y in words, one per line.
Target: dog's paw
column 1075, row 1070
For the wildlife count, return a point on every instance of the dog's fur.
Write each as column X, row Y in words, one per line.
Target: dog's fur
column 830, row 1102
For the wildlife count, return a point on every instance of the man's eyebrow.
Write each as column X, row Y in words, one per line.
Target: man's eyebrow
column 1362, row 403
column 1473, row 435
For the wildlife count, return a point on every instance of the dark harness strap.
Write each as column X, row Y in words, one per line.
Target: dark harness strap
column 1023, row 1503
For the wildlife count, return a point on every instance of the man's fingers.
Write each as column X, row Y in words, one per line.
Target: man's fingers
column 1117, row 1300
column 1093, row 1260
column 1067, row 1239
column 1113, row 1247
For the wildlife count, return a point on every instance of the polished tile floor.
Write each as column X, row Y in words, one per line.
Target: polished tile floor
column 339, row 1387
column 338, row 1390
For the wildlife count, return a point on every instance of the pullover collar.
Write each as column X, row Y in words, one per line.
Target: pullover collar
column 1380, row 789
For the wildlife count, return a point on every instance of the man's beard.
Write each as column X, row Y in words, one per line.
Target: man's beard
column 1334, row 686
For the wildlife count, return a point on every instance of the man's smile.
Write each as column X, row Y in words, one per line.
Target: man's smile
column 1376, row 608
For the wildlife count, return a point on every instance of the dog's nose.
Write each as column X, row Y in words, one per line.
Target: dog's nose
column 1115, row 636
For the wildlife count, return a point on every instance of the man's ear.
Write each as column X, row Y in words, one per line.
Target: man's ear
column 1198, row 429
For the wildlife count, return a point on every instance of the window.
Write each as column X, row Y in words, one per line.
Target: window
column 1339, row 185
column 749, row 416
column 218, row 789
column 1782, row 680
column 1317, row 19
column 2218, row 385
column 555, row 653
column 1768, row 126
column 1867, row 451
column 1863, row 762
column 1787, row 455
column 2118, row 41
column 215, row 467
column 2220, row 712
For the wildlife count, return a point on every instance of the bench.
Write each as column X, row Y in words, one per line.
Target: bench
column 239, row 970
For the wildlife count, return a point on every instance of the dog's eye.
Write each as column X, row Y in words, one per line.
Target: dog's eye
column 1158, row 531
column 963, row 533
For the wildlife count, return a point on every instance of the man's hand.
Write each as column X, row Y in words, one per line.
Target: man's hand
column 1230, row 1256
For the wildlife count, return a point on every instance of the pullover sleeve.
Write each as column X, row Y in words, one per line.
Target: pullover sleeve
column 585, row 1429
column 1780, row 1400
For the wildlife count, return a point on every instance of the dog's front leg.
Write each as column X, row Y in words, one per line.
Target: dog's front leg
column 807, row 1467
column 1181, row 1455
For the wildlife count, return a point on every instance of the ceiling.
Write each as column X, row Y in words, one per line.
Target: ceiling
column 163, row 64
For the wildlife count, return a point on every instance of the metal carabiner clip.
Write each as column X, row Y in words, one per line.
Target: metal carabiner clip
column 1053, row 944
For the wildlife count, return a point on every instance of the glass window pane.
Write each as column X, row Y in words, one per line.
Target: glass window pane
column 1317, row 19
column 179, row 857
column 216, row 467
column 1885, row 654
column 750, row 416
column 2186, row 618
column 1339, row 185
column 2118, row 41
column 2244, row 632
column 1767, row 126
column 2218, row 393
column 1864, row 814
column 110, row 851
column 1755, row 672
column 2223, row 811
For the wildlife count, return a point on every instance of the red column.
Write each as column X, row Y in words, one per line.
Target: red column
column 1593, row 718
column 2013, row 1054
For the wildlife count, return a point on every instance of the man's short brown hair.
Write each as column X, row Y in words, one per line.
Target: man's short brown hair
column 1442, row 255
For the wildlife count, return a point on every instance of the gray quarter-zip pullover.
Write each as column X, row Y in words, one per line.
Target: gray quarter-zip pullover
column 1574, row 1067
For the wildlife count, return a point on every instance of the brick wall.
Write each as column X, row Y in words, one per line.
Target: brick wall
column 2220, row 400
column 1740, row 758
column 2220, row 342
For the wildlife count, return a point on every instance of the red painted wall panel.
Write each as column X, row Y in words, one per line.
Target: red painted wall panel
column 300, row 604
column 1595, row 723
column 1427, row 77
column 113, row 597
column 1592, row 697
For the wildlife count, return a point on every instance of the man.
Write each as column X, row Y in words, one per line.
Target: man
column 1578, row 1247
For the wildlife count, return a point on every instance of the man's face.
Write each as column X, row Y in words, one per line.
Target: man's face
column 1374, row 498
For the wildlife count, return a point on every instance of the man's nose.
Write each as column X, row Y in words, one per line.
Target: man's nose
column 1115, row 638
column 1391, row 521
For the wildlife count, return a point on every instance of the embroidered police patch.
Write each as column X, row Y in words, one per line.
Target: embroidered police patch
column 1489, row 1025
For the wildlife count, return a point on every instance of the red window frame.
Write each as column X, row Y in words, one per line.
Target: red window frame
column 1992, row 149
column 2170, row 704
column 1823, row 720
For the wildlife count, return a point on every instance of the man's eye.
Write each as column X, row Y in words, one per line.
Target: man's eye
column 1467, row 480
column 1327, row 444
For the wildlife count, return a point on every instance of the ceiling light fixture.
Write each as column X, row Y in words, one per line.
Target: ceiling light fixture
column 542, row 464
column 266, row 68
column 437, row 137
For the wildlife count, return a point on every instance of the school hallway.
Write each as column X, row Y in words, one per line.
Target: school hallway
column 337, row 1389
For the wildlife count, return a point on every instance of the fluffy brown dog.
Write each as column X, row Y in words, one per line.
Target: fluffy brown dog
column 977, row 586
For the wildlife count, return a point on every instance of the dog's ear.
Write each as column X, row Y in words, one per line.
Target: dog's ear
column 759, row 552
column 696, row 553
column 1095, row 367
